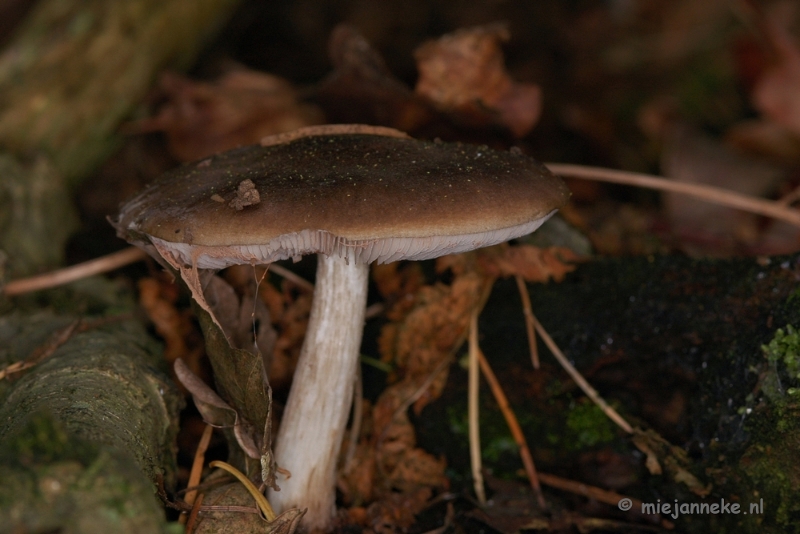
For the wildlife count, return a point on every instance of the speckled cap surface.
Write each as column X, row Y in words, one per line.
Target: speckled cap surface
column 368, row 194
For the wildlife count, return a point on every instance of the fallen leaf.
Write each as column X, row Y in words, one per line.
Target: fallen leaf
column 463, row 74
column 158, row 301
column 362, row 89
column 202, row 118
column 534, row 264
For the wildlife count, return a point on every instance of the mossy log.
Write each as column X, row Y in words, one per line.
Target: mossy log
column 75, row 69
column 85, row 433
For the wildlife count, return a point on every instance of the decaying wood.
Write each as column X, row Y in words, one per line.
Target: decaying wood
column 92, row 427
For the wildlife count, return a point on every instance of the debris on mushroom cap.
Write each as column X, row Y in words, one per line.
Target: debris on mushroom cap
column 246, row 195
column 363, row 193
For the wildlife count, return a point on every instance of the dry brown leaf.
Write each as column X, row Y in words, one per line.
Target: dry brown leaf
column 158, row 302
column 175, row 328
column 463, row 73
column 244, row 319
column 534, row 264
column 358, row 483
column 396, row 280
column 201, row 118
column 418, row 469
column 396, row 513
column 361, row 89
column 429, row 332
column 291, row 325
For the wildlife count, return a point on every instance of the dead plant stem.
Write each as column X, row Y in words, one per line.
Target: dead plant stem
column 724, row 197
column 473, row 410
column 197, row 468
column 529, row 327
column 582, row 382
column 513, row 425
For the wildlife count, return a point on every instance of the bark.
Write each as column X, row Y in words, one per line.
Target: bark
column 76, row 69
column 85, row 432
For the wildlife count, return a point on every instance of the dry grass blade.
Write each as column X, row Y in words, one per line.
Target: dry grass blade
column 66, row 275
column 582, row 383
column 197, row 468
column 261, row 501
column 193, row 514
column 516, row 430
column 724, row 197
column 474, row 419
column 592, row 492
column 530, row 329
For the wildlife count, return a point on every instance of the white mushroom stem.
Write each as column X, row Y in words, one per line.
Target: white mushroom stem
column 314, row 421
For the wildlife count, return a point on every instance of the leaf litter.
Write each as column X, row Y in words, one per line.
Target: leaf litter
column 393, row 478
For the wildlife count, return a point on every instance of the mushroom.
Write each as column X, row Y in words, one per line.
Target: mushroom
column 353, row 195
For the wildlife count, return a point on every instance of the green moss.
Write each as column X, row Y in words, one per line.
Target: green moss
column 588, row 426
column 785, row 349
column 43, row 440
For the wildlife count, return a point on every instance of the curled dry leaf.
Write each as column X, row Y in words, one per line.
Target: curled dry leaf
column 201, row 118
column 215, row 411
column 244, row 319
column 421, row 340
column 463, row 73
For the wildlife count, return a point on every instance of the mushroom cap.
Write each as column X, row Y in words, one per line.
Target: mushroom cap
column 366, row 194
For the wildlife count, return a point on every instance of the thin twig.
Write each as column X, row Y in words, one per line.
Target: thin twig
column 790, row 198
column 190, row 523
column 582, row 383
column 472, row 410
column 513, row 425
column 197, row 468
column 724, row 197
column 592, row 492
column 292, row 277
column 44, row 351
column 66, row 275
column 529, row 327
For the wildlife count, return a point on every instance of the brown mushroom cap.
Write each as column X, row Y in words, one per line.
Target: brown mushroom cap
column 365, row 197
